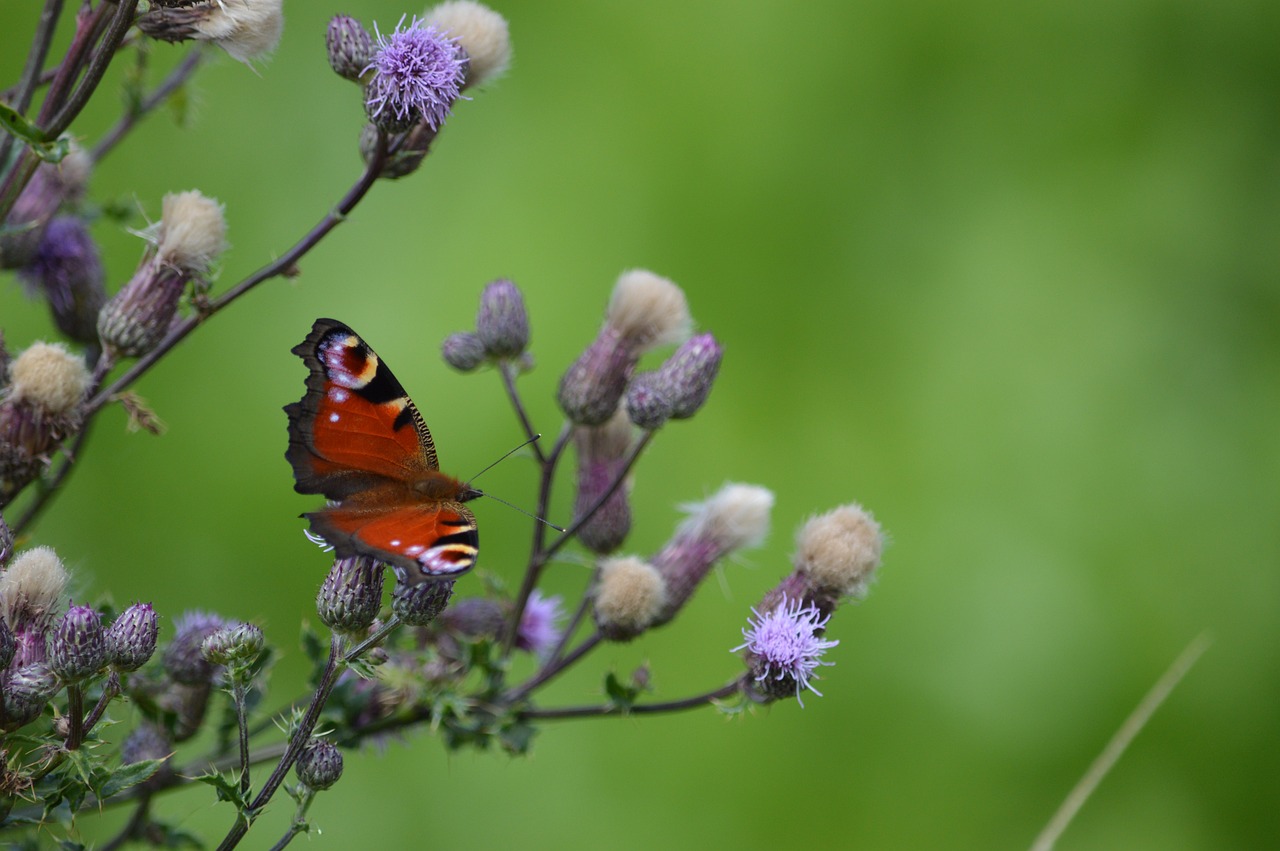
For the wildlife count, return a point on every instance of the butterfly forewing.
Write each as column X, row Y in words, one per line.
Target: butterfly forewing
column 358, row 439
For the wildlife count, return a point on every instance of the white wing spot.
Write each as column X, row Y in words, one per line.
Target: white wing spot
column 333, row 418
column 338, row 395
column 414, row 550
column 396, row 542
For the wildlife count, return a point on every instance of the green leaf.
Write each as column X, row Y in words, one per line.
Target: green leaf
column 129, row 775
column 17, row 124
column 621, row 695
column 227, row 789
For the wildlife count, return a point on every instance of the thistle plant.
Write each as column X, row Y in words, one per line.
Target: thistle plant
column 469, row 657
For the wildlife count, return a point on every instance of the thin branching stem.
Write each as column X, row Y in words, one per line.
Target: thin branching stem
column 171, row 83
column 75, row 716
column 508, row 371
column 552, row 668
column 726, row 690
column 101, row 57
column 31, row 71
column 238, row 692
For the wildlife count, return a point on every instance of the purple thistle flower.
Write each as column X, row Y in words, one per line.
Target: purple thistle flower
column 418, row 74
column 783, row 646
column 539, row 631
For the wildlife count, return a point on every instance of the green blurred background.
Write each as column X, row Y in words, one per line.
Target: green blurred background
column 1004, row 272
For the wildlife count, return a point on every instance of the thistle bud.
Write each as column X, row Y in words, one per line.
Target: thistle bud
column 463, row 351
column 602, row 455
column 67, row 271
column 645, row 311
column 245, row 29
column 27, row 691
column 78, row 645
column 411, row 148
column 736, row 517
column 146, row 742
column 474, row 617
column 648, row 404
column 319, row 765
column 30, row 592
column 236, row 646
column 629, row 596
column 189, row 239
column 50, row 186
column 502, row 323
column 350, row 47
column 481, row 32
column 131, row 639
column 351, row 594
column 184, row 660
column 418, row 605
column 687, row 375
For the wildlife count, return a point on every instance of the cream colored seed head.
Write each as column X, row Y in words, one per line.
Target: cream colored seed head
column 648, row 310
column 480, row 31
column 839, row 551
column 192, row 232
column 630, row 594
column 30, row 589
column 245, row 29
column 50, row 377
column 734, row 517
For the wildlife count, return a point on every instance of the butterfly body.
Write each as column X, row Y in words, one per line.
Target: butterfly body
column 357, row 438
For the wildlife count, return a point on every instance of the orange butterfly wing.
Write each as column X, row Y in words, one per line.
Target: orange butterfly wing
column 357, row 438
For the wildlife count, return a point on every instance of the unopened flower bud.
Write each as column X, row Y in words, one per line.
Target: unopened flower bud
column 645, row 311
column 52, row 185
column 687, row 375
column 188, row 241
column 236, row 645
column 319, row 765
column 245, row 29
column 350, row 47
column 183, row 658
column 67, row 272
column 78, row 645
column 147, row 742
column 418, row 605
column 629, row 596
column 26, row 692
column 502, row 323
column 736, row 517
column 30, row 592
column 481, row 32
column 463, row 351
column 648, row 404
column 131, row 639
column 474, row 617
column 351, row 594
column 602, row 455
column 838, row 552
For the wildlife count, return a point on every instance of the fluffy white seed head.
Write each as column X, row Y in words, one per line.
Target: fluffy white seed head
column 48, row 376
column 629, row 596
column 735, row 517
column 245, row 29
column 192, row 231
column 839, row 551
column 30, row 589
column 482, row 33
column 648, row 310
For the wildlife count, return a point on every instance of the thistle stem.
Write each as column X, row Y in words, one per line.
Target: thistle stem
column 694, row 702
column 551, row 669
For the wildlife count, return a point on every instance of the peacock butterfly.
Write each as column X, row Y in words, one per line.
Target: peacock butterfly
column 357, row 438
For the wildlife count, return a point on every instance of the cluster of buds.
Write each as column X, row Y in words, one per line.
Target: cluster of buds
column 501, row 334
column 412, row 76
column 44, row 647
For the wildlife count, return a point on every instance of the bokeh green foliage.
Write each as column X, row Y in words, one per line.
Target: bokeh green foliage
column 1004, row 272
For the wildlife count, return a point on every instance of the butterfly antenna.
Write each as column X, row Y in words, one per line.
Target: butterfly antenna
column 503, row 501
column 503, row 458
column 541, row 520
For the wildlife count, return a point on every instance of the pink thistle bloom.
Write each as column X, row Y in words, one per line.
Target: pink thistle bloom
column 417, row 75
column 783, row 646
column 539, row 625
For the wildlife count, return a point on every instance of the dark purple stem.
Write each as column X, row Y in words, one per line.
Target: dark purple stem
column 694, row 702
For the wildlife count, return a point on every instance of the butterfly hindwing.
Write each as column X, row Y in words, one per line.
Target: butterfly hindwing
column 357, row 438
column 426, row 541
